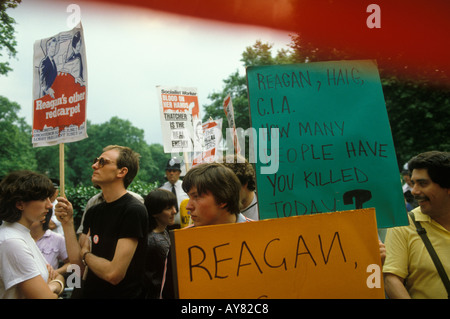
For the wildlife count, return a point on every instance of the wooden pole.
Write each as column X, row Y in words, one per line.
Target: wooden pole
column 61, row 171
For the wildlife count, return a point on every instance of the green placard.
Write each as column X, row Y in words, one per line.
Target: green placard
column 335, row 150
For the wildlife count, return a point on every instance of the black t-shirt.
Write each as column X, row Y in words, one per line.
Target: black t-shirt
column 108, row 222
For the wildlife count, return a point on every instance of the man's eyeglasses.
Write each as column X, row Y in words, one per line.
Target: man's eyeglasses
column 101, row 161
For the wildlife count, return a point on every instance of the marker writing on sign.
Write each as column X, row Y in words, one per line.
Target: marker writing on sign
column 214, row 263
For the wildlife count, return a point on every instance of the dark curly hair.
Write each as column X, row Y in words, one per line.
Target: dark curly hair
column 437, row 164
column 243, row 170
column 22, row 186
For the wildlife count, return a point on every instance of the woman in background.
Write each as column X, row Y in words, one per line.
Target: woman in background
column 161, row 208
column 51, row 244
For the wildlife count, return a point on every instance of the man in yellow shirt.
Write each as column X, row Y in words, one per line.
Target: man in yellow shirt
column 409, row 271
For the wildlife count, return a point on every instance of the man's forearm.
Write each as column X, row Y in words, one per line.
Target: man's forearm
column 112, row 271
column 101, row 267
column 394, row 287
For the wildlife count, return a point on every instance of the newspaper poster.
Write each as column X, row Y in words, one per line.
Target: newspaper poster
column 211, row 142
column 229, row 112
column 179, row 110
column 59, row 88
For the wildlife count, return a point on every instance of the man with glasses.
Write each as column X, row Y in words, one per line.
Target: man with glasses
column 113, row 243
column 173, row 184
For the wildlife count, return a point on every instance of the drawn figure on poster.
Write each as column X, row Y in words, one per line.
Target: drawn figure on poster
column 47, row 68
column 54, row 61
column 74, row 63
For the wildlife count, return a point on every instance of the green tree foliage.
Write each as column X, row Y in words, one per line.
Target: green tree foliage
column 16, row 151
column 15, row 142
column 79, row 156
column 79, row 197
column 236, row 85
column 159, row 161
column 419, row 114
column 116, row 131
column 7, row 39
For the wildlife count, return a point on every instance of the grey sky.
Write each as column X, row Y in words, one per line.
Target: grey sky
column 129, row 52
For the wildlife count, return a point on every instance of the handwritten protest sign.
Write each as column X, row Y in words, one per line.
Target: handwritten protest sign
column 336, row 149
column 333, row 255
column 59, row 88
column 179, row 110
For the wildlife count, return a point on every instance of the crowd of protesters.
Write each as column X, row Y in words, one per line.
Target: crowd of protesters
column 122, row 247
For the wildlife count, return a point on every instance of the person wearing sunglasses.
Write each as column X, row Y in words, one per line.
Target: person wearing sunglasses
column 114, row 239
